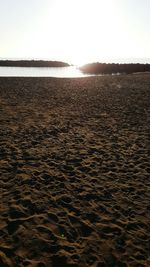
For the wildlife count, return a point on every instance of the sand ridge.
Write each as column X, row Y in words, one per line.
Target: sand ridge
column 74, row 164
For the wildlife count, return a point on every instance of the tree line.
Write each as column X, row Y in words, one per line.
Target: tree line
column 113, row 68
column 32, row 63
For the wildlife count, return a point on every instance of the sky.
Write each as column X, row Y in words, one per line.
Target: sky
column 75, row 31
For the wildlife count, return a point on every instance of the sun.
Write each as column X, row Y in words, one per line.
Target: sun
column 82, row 31
column 88, row 30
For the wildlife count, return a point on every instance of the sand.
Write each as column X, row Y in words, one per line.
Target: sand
column 75, row 171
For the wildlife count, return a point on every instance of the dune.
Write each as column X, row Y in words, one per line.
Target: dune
column 75, row 164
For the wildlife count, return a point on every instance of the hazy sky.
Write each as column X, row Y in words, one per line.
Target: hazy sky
column 76, row 31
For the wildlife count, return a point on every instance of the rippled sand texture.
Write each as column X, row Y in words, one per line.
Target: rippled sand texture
column 75, row 171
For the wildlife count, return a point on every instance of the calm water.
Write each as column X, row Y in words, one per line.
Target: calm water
column 62, row 72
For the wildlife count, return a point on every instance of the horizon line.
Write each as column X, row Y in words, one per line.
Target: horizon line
column 129, row 60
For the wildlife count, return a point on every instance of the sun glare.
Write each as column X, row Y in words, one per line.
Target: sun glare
column 75, row 31
column 83, row 30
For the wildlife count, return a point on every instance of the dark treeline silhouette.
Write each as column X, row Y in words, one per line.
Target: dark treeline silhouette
column 104, row 68
column 32, row 63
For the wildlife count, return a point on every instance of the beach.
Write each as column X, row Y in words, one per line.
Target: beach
column 75, row 171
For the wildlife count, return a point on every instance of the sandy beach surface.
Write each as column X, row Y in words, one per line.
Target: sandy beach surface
column 75, row 171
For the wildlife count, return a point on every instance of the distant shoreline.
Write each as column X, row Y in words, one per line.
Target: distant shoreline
column 32, row 63
column 114, row 68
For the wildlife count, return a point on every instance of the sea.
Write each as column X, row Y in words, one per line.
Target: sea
column 60, row 72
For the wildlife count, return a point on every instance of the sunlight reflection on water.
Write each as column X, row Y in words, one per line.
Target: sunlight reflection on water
column 63, row 72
